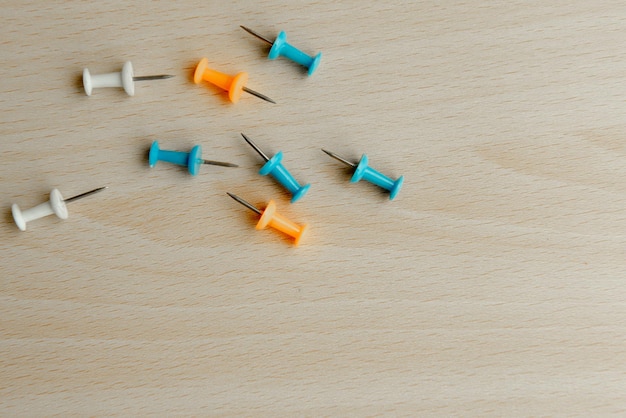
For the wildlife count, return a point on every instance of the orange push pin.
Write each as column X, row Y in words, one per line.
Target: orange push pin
column 270, row 217
column 234, row 85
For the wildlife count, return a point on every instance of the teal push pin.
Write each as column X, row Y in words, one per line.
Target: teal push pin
column 280, row 47
column 193, row 160
column 363, row 171
column 275, row 167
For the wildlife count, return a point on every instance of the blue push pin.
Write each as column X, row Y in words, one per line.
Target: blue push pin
column 280, row 47
column 193, row 160
column 274, row 167
column 363, row 171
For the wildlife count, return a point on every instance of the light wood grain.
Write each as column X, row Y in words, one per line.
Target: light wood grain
column 494, row 285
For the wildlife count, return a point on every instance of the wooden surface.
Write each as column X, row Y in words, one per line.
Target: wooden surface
column 494, row 285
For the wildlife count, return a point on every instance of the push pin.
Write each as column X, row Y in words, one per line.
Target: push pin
column 234, row 85
column 275, row 167
column 270, row 217
column 363, row 171
column 280, row 47
column 124, row 79
column 55, row 205
column 193, row 160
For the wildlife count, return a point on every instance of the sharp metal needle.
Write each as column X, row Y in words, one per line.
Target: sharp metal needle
column 80, row 196
column 251, row 32
column 257, row 94
column 220, row 163
column 338, row 158
column 246, row 204
column 256, row 148
column 152, row 77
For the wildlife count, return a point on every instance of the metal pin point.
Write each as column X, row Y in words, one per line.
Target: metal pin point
column 56, row 205
column 338, row 158
column 245, row 203
column 257, row 94
column 83, row 195
column 124, row 79
column 256, row 148
column 363, row 171
column 253, row 33
column 152, row 77
column 219, row 163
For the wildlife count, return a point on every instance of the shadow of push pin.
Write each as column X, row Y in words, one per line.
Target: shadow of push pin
column 56, row 205
column 234, row 85
column 124, row 79
column 276, row 169
column 363, row 171
column 192, row 160
column 280, row 47
column 269, row 217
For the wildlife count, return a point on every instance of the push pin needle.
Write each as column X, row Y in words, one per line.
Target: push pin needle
column 234, row 85
column 257, row 94
column 83, row 195
column 152, row 77
column 280, row 47
column 363, row 171
column 246, row 204
column 124, row 79
column 56, row 205
column 269, row 217
column 275, row 167
column 338, row 158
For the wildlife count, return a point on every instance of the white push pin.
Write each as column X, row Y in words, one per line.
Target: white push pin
column 124, row 79
column 55, row 205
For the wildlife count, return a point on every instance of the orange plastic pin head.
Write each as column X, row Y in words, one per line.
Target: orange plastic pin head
column 236, row 86
column 232, row 84
column 200, row 68
column 275, row 220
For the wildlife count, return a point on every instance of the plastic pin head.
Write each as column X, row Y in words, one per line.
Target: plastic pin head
column 234, row 85
column 276, row 169
column 280, row 48
column 269, row 217
column 124, row 79
column 363, row 171
column 192, row 160
column 56, row 205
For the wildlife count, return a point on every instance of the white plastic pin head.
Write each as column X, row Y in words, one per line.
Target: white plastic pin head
column 122, row 79
column 56, row 205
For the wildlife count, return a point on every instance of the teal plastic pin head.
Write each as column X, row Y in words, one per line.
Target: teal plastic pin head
column 281, row 48
column 362, row 170
column 274, row 167
column 192, row 160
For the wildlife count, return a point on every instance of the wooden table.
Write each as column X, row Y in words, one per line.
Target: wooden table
column 493, row 285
